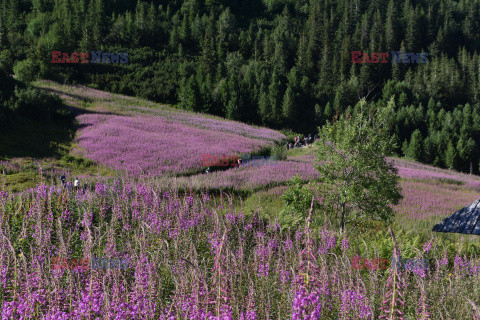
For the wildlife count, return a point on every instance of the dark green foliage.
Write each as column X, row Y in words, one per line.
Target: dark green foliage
column 451, row 156
column 285, row 64
column 358, row 181
column 415, row 148
column 31, row 121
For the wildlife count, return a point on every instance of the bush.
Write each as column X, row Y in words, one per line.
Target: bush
column 6, row 61
column 279, row 152
column 36, row 104
column 25, row 70
column 298, row 197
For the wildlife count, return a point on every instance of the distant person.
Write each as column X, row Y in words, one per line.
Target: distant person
column 239, row 161
column 297, row 143
column 76, row 183
column 63, row 179
column 208, row 170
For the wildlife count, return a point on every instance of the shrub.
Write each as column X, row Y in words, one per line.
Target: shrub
column 25, row 70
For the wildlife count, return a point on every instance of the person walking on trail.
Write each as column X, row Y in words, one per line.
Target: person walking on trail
column 63, row 179
column 208, row 170
column 76, row 183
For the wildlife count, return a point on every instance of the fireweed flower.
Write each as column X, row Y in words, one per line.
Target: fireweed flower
column 206, row 198
column 230, row 217
column 459, row 263
column 288, row 244
column 42, row 191
column 306, row 306
column 327, row 242
column 427, row 246
column 353, row 300
column 263, row 270
column 345, row 244
column 417, row 267
column 284, row 276
column 250, row 315
column 65, row 215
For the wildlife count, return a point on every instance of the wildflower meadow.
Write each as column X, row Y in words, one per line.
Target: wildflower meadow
column 166, row 240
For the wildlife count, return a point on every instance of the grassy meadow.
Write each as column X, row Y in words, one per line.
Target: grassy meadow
column 222, row 245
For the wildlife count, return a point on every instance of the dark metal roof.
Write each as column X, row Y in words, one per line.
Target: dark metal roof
column 466, row 220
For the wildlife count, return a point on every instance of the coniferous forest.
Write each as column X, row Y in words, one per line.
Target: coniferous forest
column 283, row 64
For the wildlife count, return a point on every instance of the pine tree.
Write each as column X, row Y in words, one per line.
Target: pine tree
column 411, row 36
column 429, row 150
column 328, row 111
column 264, row 107
column 189, row 94
column 274, row 97
column 288, row 107
column 391, row 27
column 302, row 55
column 318, row 115
column 415, row 148
column 451, row 156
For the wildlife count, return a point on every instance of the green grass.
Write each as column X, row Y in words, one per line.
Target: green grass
column 18, row 182
column 268, row 205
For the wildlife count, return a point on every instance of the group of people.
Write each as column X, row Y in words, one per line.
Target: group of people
column 298, row 141
column 76, row 182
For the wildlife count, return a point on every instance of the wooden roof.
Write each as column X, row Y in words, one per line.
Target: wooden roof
column 466, row 220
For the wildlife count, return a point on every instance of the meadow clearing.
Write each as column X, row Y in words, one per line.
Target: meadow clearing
column 218, row 245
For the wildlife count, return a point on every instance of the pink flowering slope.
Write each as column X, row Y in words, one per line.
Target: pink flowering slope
column 248, row 177
column 423, row 200
column 408, row 169
column 147, row 144
column 215, row 123
column 432, row 194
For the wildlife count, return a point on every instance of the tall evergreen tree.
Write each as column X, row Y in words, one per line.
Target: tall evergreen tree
column 415, row 147
column 451, row 156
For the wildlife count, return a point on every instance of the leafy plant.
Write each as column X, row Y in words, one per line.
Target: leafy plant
column 352, row 162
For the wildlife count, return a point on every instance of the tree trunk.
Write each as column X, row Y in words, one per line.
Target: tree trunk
column 343, row 217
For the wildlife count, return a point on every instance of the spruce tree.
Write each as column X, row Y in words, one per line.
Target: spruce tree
column 451, row 156
column 415, row 147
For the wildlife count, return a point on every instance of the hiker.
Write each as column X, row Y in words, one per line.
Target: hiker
column 298, row 144
column 63, row 179
column 76, row 183
column 208, row 170
column 239, row 161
